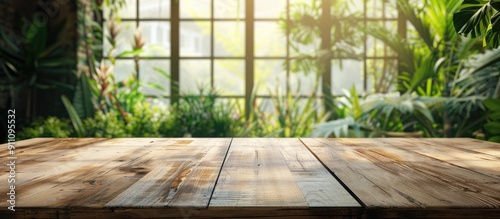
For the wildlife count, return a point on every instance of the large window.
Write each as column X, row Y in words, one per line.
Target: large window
column 236, row 45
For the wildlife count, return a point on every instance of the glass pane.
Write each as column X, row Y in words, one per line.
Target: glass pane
column 374, row 8
column 156, row 34
column 270, row 9
column 303, row 84
column 269, row 39
column 124, row 38
column 268, row 75
column 129, row 9
column 123, row 69
column 229, row 77
column 345, row 75
column 229, row 9
column 265, row 105
column 194, row 8
column 349, row 7
column 298, row 49
column 195, row 38
column 194, row 73
column 390, row 9
column 154, row 9
column 382, row 75
column 149, row 75
column 229, row 38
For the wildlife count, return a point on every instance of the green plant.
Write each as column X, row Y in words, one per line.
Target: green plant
column 200, row 115
column 479, row 18
column 291, row 115
column 145, row 120
column 381, row 114
column 105, row 125
column 326, row 40
column 349, row 124
column 478, row 78
column 37, row 60
column 49, row 127
column 394, row 112
column 492, row 127
column 429, row 56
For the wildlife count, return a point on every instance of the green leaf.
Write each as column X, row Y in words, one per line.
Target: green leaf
column 495, row 4
column 495, row 116
column 130, row 53
column 495, row 139
column 73, row 115
column 57, row 62
column 493, row 127
column 492, row 104
column 473, row 18
column 52, row 82
column 492, row 38
column 162, row 72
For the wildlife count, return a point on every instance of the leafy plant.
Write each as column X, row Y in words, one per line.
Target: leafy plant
column 105, row 125
column 349, row 124
column 37, row 60
column 394, row 112
column 308, row 32
column 49, row 127
column 291, row 115
column 381, row 115
column 146, row 120
column 477, row 80
column 201, row 115
column 492, row 128
column 479, row 19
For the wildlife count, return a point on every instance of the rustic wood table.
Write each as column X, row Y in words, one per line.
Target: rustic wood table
column 253, row 177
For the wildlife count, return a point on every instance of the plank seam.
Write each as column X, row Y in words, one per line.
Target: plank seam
column 220, row 172
column 335, row 176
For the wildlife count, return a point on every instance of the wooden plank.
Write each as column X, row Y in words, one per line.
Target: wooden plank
column 183, row 177
column 466, row 153
column 149, row 213
column 256, row 174
column 93, row 175
column 72, row 173
column 385, row 175
column 318, row 186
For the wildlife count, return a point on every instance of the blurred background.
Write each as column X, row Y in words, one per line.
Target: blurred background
column 250, row 68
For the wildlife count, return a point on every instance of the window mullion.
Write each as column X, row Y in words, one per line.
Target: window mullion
column 174, row 51
column 249, row 54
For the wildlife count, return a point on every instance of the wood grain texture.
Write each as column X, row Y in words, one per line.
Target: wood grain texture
column 264, row 212
column 93, row 172
column 276, row 173
column 387, row 173
column 319, row 187
column 255, row 174
column 269, row 178
column 183, row 176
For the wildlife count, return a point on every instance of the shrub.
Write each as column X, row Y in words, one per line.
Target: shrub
column 49, row 127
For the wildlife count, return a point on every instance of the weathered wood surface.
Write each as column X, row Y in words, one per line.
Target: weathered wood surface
column 121, row 172
column 414, row 173
column 276, row 173
column 247, row 178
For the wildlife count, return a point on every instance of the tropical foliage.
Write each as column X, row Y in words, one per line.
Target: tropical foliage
column 447, row 86
column 479, row 19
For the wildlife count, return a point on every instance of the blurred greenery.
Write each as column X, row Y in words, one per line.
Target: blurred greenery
column 492, row 127
column 449, row 86
column 49, row 127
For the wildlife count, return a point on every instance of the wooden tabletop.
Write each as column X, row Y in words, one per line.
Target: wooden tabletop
column 253, row 177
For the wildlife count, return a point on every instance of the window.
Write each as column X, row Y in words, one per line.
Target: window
column 235, row 45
